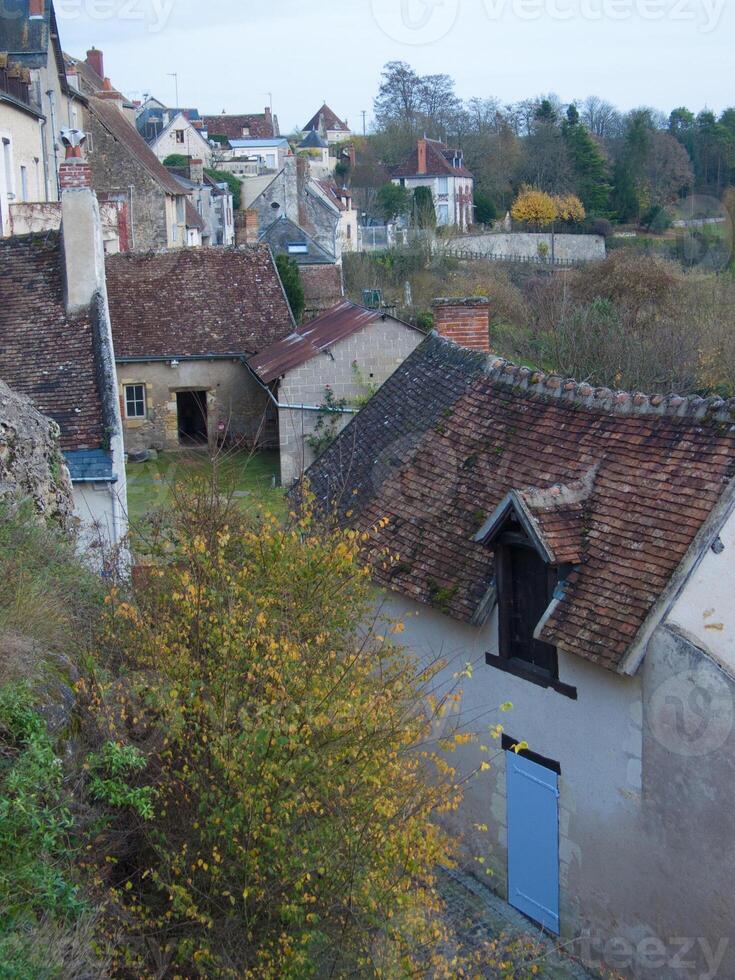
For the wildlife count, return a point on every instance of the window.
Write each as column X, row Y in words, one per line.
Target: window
column 443, row 185
column 135, row 402
column 298, row 248
column 179, row 135
column 525, row 587
column 24, row 184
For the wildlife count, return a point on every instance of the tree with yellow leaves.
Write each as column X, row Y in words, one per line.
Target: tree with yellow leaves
column 534, row 207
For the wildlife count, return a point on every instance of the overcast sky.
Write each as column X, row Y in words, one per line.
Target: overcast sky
column 230, row 54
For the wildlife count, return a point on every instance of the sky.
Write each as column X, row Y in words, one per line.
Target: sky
column 238, row 55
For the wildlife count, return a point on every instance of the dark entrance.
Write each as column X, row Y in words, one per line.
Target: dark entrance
column 191, row 407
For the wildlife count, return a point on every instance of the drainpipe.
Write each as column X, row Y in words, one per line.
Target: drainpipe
column 132, row 219
column 52, row 104
column 298, row 408
column 44, row 152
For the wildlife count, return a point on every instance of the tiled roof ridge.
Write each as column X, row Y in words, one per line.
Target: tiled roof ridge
column 612, row 401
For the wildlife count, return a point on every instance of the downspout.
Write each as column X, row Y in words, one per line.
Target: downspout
column 52, row 105
column 132, row 219
column 44, row 150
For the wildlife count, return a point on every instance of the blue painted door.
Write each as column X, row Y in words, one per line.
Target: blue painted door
column 533, row 840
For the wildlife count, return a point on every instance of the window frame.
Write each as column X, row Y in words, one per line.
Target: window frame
column 180, row 136
column 135, row 401
column 507, row 660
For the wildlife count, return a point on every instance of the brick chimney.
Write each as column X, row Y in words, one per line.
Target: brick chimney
column 111, row 94
column 422, row 166
column 81, row 228
column 464, row 321
column 36, row 9
column 269, row 119
column 247, row 227
column 96, row 61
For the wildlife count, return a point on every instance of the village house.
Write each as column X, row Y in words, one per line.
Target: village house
column 152, row 117
column 238, row 156
column 210, row 199
column 185, row 324
column 124, row 168
column 56, row 347
column 326, row 123
column 178, row 137
column 567, row 550
column 30, row 38
column 342, row 356
column 88, row 78
column 432, row 164
column 22, row 177
column 247, row 126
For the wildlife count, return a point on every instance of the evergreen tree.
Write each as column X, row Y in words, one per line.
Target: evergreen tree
column 588, row 164
column 291, row 279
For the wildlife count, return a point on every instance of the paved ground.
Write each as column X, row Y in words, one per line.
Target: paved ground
column 476, row 915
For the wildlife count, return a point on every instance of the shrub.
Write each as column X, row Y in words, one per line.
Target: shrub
column 292, row 834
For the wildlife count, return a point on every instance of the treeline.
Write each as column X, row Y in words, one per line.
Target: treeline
column 624, row 166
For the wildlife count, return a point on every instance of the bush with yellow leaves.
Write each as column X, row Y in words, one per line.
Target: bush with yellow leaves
column 292, row 832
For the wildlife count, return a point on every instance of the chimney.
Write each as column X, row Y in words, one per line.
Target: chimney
column 96, row 61
column 269, row 119
column 464, row 321
column 422, row 167
column 247, row 227
column 111, row 95
column 36, row 9
column 81, row 227
column 196, row 171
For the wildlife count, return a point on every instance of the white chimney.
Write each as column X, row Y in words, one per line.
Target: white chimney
column 81, row 227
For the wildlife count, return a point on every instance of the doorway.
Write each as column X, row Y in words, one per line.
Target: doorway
column 191, row 408
column 533, row 839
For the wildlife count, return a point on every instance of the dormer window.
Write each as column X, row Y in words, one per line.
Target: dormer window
column 246, row 131
column 536, row 537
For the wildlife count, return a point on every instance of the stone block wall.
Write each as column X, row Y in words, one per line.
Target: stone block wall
column 567, row 248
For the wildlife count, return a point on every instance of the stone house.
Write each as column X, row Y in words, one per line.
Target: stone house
column 56, row 348
column 125, row 168
column 344, row 354
column 321, row 276
column 434, row 165
column 180, row 137
column 88, row 78
column 211, row 200
column 30, row 37
column 326, row 123
column 185, row 323
column 567, row 550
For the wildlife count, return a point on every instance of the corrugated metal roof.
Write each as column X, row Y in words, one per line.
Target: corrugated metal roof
column 315, row 337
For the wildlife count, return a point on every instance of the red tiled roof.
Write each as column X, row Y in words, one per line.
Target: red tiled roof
column 301, row 346
column 44, row 354
column 259, row 124
column 331, row 120
column 128, row 136
column 438, row 163
column 654, row 468
column 196, row 302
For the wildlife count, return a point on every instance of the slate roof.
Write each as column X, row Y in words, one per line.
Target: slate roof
column 284, row 232
column 308, row 341
column 452, row 433
column 44, row 354
column 128, row 137
column 232, row 126
column 195, row 303
column 332, row 122
column 313, row 142
column 438, row 163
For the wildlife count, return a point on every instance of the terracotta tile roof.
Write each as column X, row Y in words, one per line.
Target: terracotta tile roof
column 655, row 469
column 330, row 328
column 259, row 124
column 331, row 121
column 438, row 163
column 43, row 353
column 196, row 302
column 128, row 136
column 329, row 187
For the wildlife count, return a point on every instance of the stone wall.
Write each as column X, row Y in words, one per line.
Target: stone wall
column 38, row 218
column 525, row 245
column 32, row 467
column 114, row 171
column 234, row 401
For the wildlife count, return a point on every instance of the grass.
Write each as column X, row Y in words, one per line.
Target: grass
column 254, row 480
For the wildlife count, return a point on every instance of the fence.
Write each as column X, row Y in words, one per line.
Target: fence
column 468, row 256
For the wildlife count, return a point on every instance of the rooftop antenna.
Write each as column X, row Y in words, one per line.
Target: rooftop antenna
column 364, row 122
column 175, row 76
